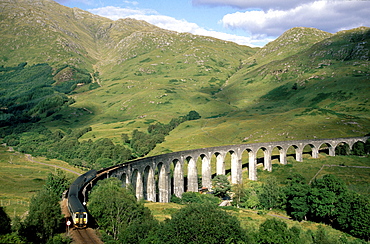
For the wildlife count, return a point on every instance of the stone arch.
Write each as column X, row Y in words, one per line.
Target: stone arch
column 358, row 148
column 124, row 179
column 340, row 146
column 235, row 166
column 149, row 184
column 162, row 183
column 206, row 171
column 327, row 148
column 266, row 160
column 282, row 153
column 136, row 182
column 220, row 163
column 310, row 149
column 294, row 151
column 252, row 163
column 177, row 182
column 192, row 175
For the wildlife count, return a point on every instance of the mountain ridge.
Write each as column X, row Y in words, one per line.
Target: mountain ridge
column 126, row 74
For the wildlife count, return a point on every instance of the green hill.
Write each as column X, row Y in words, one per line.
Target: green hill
column 118, row 76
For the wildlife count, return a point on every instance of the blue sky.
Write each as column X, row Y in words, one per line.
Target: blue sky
column 246, row 22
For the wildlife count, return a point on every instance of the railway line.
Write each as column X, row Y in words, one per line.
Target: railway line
column 85, row 236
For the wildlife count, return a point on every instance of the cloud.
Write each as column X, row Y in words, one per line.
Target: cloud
column 245, row 4
column 170, row 23
column 330, row 16
column 87, row 2
column 116, row 13
column 131, row 2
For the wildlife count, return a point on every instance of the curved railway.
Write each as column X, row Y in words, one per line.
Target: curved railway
column 77, row 196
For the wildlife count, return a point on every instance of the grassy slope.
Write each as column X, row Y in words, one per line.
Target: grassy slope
column 306, row 84
column 330, row 98
column 20, row 179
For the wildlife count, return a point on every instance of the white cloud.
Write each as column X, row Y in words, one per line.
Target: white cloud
column 170, row 23
column 131, row 2
column 245, row 4
column 330, row 16
column 87, row 2
column 116, row 13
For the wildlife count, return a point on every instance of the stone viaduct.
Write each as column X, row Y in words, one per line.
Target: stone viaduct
column 156, row 178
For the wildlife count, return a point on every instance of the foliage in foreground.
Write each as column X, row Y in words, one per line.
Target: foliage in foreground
column 118, row 213
column 44, row 221
column 200, row 223
column 327, row 200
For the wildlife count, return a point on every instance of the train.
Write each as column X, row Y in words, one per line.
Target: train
column 75, row 199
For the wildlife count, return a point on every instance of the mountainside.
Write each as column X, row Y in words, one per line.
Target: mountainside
column 118, row 76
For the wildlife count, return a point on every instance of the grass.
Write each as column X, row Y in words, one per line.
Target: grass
column 20, row 179
column 162, row 211
column 249, row 219
column 357, row 179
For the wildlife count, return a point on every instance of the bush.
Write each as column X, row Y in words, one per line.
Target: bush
column 200, row 223
column 196, row 197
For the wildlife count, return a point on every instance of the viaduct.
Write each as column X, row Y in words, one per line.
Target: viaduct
column 156, row 178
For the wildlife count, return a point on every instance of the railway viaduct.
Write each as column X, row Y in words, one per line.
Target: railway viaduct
column 156, row 178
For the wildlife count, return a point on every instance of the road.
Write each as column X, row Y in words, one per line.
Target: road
column 30, row 158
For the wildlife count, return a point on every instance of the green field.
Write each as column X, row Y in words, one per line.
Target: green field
column 357, row 179
column 20, row 179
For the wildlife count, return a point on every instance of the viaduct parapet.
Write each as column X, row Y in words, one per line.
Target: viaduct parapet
column 156, row 178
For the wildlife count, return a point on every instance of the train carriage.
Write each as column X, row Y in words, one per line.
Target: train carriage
column 76, row 208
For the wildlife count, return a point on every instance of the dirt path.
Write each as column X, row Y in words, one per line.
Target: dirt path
column 30, row 158
column 334, row 165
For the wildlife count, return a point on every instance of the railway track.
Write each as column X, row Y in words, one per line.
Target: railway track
column 85, row 236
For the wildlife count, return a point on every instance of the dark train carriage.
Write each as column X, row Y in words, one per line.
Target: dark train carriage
column 78, row 212
column 76, row 208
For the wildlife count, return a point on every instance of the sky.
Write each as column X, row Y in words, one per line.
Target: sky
column 247, row 22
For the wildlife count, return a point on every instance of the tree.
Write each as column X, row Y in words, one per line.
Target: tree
column 240, row 195
column 44, row 218
column 271, row 194
column 276, row 231
column 352, row 215
column 57, row 183
column 322, row 237
column 221, row 186
column 125, row 138
column 296, row 197
column 358, row 149
column 116, row 210
column 342, row 149
column 200, row 223
column 193, row 115
column 196, row 197
column 5, row 222
column 324, row 196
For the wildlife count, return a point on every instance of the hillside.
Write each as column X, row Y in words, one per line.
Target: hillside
column 117, row 76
